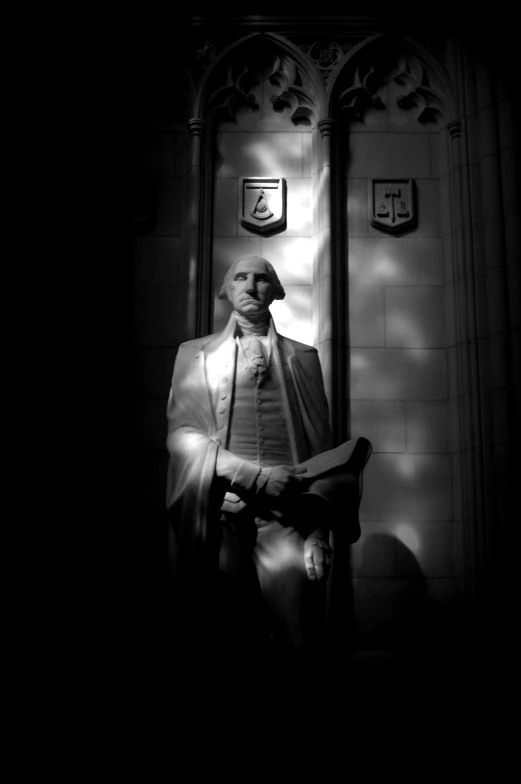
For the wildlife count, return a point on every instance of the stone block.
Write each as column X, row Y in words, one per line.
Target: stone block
column 307, row 162
column 457, row 484
column 381, row 421
column 259, row 155
column 452, row 357
column 292, row 258
column 395, row 261
column 454, row 425
column 405, row 488
column 398, row 374
column 225, row 214
column 292, row 315
column 170, row 210
column 450, row 326
column 160, row 315
column 357, row 219
column 415, row 317
column 427, row 426
column 300, row 208
column 428, row 210
column 366, row 316
column 158, row 260
column 448, row 258
column 389, row 155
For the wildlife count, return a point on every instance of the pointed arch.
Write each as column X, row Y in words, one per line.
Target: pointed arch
column 226, row 84
column 358, row 76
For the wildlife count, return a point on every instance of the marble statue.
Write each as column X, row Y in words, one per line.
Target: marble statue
column 254, row 484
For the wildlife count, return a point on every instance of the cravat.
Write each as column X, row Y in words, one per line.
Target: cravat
column 255, row 356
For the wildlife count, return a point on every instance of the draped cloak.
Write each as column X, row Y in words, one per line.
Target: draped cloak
column 198, row 425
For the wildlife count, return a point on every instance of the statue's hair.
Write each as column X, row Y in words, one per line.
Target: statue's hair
column 274, row 278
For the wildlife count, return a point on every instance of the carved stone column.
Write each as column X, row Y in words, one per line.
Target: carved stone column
column 485, row 321
column 324, row 265
column 194, row 223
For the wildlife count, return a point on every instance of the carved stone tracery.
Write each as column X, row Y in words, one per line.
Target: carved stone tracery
column 388, row 65
column 325, row 55
column 262, row 61
column 294, row 95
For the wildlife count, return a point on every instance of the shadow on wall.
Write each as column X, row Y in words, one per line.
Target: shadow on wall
column 390, row 612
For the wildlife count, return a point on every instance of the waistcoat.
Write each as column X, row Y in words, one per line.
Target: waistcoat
column 258, row 425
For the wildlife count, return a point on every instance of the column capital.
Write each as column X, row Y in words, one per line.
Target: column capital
column 326, row 126
column 196, row 126
column 454, row 129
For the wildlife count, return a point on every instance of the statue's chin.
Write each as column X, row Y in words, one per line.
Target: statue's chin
column 252, row 309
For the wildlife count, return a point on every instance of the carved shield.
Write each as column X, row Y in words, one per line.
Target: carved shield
column 262, row 204
column 392, row 205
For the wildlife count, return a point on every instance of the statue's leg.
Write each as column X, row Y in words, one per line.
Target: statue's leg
column 296, row 604
column 239, row 611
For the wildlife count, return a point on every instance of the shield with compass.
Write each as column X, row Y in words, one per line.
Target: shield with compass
column 262, row 204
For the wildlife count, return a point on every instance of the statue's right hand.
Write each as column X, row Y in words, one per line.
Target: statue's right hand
column 284, row 483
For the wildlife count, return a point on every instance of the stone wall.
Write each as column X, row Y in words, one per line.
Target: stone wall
column 403, row 566
column 266, row 143
column 415, row 388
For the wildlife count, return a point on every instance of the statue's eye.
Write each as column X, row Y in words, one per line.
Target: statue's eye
column 240, row 277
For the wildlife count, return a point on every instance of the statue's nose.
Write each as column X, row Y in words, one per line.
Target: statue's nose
column 250, row 283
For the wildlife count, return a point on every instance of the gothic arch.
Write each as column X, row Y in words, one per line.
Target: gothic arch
column 357, row 78
column 225, row 84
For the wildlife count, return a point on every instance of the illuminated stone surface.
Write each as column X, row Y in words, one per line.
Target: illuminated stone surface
column 414, row 317
column 366, row 316
column 382, row 421
column 405, row 488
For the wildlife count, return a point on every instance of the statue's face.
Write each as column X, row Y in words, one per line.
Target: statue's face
column 251, row 291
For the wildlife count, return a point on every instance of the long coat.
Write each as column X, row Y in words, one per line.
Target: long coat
column 198, row 414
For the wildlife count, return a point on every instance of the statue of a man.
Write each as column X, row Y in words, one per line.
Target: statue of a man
column 247, row 408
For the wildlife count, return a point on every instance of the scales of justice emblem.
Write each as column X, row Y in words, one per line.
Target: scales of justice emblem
column 392, row 205
column 262, row 204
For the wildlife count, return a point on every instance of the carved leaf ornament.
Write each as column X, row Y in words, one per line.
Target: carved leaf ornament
column 362, row 94
column 235, row 93
column 418, row 93
column 293, row 94
column 407, row 72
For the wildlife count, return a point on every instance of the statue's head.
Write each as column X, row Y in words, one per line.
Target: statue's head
column 251, row 284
